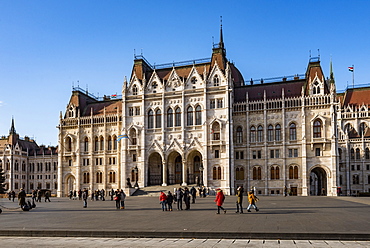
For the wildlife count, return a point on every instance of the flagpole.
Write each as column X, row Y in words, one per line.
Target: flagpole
column 353, row 76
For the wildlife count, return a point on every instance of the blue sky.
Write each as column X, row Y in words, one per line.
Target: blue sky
column 48, row 46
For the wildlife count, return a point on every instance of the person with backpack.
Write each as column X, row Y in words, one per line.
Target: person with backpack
column 220, row 198
column 252, row 199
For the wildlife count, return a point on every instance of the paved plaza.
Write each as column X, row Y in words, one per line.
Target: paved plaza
column 296, row 221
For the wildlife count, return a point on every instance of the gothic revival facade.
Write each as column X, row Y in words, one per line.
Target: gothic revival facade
column 26, row 164
column 198, row 122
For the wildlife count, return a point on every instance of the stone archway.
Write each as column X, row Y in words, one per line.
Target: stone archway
column 71, row 184
column 155, row 169
column 174, row 168
column 318, row 182
column 194, row 168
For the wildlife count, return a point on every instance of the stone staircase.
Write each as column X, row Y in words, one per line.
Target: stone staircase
column 155, row 190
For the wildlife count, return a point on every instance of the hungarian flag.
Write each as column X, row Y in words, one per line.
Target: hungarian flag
column 350, row 68
column 114, row 96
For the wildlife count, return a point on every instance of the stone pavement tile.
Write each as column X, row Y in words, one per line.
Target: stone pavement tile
column 302, row 243
column 195, row 243
column 224, row 243
column 287, row 243
column 175, row 242
column 210, row 243
column 240, row 243
column 255, row 243
column 318, row 243
column 271, row 243
column 356, row 244
column 335, row 243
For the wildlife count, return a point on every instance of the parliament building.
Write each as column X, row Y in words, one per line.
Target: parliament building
column 199, row 122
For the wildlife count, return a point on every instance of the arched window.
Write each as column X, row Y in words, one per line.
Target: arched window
column 362, row 129
column 190, row 116
column 292, row 132
column 367, row 153
column 239, row 135
column 178, row 117
column 317, row 125
column 101, row 143
column 239, row 173
column 158, row 118
column 340, row 153
column 316, row 88
column 277, row 132
column 109, row 143
column 355, row 179
column 96, row 144
column 133, row 137
column 352, row 153
column 347, row 128
column 216, row 173
column 150, row 119
column 270, row 133
column 274, row 172
column 293, row 172
column 134, row 90
column 86, row 144
column 198, row 115
column 257, row 173
column 216, row 81
column 358, row 156
column 253, row 134
column 86, row 177
column 260, row 133
column 69, row 144
column 112, row 177
column 170, row 117
column 114, row 142
column 99, row 177
column 215, row 131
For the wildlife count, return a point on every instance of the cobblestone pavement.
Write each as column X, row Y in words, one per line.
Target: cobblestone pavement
column 12, row 242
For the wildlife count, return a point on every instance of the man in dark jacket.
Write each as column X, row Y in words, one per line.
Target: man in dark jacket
column 179, row 196
column 193, row 193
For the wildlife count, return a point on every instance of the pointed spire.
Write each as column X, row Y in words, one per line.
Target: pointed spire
column 12, row 128
column 221, row 44
column 331, row 72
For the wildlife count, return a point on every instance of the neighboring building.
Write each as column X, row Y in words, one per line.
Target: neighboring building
column 26, row 164
column 354, row 140
column 199, row 122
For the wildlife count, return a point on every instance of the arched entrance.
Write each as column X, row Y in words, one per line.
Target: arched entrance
column 318, row 181
column 155, row 169
column 71, row 184
column 195, row 168
column 174, row 168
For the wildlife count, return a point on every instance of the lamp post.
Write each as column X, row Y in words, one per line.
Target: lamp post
column 136, row 171
column 201, row 175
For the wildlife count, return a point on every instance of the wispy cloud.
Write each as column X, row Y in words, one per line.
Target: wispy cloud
column 1, row 103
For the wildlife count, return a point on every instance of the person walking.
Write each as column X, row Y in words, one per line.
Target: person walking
column 13, row 195
column 85, row 195
column 193, row 193
column 179, row 196
column 122, row 199
column 239, row 199
column 220, row 198
column 169, row 201
column 39, row 195
column 47, row 196
column 163, row 201
column 21, row 197
column 252, row 199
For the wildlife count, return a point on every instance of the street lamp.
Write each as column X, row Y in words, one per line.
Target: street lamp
column 201, row 175
column 136, row 171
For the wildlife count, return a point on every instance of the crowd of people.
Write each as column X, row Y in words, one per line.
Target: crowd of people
column 185, row 195
column 177, row 198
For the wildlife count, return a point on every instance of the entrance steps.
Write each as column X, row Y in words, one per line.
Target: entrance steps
column 155, row 190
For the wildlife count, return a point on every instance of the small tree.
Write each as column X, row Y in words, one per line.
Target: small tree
column 2, row 180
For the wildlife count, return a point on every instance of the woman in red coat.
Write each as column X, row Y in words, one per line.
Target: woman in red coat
column 163, row 201
column 220, row 198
